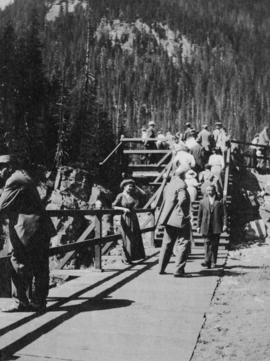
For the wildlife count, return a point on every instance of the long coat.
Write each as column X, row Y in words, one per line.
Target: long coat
column 21, row 202
column 175, row 195
column 205, row 216
column 199, row 155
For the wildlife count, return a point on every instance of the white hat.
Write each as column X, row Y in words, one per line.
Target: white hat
column 151, row 122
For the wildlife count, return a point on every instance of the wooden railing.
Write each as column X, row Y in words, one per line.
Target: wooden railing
column 84, row 240
column 249, row 144
column 252, row 159
column 112, row 154
column 226, row 184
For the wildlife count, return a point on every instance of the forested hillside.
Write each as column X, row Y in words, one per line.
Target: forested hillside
column 75, row 76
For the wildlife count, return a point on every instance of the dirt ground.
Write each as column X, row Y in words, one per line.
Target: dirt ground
column 237, row 323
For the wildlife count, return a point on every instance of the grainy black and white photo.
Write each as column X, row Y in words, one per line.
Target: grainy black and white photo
column 134, row 180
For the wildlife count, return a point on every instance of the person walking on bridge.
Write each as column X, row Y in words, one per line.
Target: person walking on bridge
column 206, row 139
column 30, row 230
column 210, row 225
column 175, row 216
column 150, row 144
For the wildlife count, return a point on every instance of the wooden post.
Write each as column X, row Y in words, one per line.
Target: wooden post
column 97, row 247
column 152, row 224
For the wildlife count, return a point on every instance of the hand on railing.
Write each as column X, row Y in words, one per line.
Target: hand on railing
column 126, row 211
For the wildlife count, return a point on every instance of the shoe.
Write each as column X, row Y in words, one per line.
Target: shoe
column 180, row 274
column 127, row 262
column 17, row 308
column 161, row 272
column 207, row 265
column 37, row 307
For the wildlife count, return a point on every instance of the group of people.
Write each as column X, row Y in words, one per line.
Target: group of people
column 175, row 217
column 190, row 137
column 30, row 229
column 198, row 161
column 259, row 151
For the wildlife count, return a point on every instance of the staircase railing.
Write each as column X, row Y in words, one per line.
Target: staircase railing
column 226, row 184
column 112, row 154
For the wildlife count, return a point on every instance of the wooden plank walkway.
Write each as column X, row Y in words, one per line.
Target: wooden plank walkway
column 123, row 313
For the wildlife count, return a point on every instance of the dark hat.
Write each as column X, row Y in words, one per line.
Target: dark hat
column 125, row 182
column 188, row 124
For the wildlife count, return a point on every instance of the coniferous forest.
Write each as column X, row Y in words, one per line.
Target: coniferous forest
column 76, row 74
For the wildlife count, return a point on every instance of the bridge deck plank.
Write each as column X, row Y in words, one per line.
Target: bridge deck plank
column 124, row 313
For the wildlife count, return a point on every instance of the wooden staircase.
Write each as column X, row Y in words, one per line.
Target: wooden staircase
column 198, row 240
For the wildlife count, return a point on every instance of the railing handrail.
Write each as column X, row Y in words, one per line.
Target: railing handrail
column 249, row 143
column 93, row 241
column 227, row 173
column 226, row 184
column 147, row 151
column 90, row 212
column 111, row 154
column 163, row 184
column 143, row 140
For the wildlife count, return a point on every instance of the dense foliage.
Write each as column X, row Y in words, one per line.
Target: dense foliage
column 71, row 84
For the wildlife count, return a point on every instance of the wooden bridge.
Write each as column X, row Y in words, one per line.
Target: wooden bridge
column 121, row 312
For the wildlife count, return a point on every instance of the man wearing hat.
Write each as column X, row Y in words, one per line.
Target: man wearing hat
column 188, row 131
column 211, row 223
column 205, row 139
column 220, row 137
column 30, row 230
column 151, row 144
column 175, row 217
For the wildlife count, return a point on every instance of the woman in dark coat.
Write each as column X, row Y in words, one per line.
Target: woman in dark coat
column 128, row 201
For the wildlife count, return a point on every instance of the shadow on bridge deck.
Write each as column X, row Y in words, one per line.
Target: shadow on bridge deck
column 125, row 313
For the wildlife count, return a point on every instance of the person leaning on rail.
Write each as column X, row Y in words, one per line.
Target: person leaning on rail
column 30, row 230
column 175, row 216
column 128, row 201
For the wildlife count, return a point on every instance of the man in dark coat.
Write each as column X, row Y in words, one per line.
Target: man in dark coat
column 175, row 217
column 211, row 224
column 188, row 131
column 151, row 144
column 29, row 231
column 199, row 155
